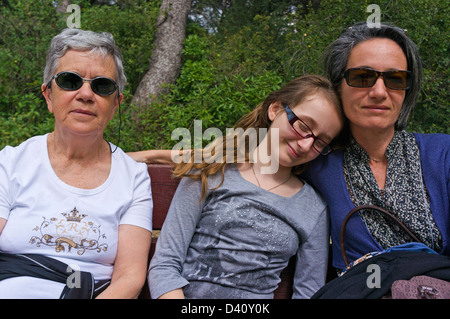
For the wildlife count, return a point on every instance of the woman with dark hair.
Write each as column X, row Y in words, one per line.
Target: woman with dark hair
column 377, row 73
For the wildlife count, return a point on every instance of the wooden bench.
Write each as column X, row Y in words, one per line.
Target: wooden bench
column 163, row 189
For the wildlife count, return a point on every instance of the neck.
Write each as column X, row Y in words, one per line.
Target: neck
column 76, row 147
column 268, row 170
column 374, row 143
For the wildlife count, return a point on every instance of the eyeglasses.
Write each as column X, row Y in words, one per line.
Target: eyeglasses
column 364, row 78
column 71, row 81
column 304, row 131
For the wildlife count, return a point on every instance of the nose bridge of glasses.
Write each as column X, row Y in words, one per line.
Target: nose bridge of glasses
column 88, row 87
column 306, row 140
column 377, row 78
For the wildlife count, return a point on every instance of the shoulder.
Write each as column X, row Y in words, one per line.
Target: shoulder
column 324, row 171
column 313, row 196
column 433, row 139
column 29, row 148
column 126, row 163
column 433, row 145
column 432, row 136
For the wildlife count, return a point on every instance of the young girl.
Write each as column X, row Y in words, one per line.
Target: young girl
column 231, row 229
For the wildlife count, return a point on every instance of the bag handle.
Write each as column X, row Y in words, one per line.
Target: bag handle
column 357, row 209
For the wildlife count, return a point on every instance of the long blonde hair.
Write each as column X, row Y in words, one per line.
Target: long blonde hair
column 293, row 93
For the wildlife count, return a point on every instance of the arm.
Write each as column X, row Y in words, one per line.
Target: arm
column 2, row 225
column 174, row 294
column 130, row 266
column 153, row 156
column 5, row 206
column 312, row 260
column 165, row 276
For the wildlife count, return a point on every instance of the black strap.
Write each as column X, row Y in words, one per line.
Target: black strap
column 40, row 266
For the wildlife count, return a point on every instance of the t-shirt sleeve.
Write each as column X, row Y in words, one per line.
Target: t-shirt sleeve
column 167, row 264
column 140, row 211
column 5, row 202
column 312, row 260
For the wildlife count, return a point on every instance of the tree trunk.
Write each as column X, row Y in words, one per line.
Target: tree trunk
column 165, row 60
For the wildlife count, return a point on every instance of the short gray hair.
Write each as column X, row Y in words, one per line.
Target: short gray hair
column 337, row 54
column 78, row 39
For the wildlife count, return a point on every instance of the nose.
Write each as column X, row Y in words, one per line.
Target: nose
column 305, row 144
column 379, row 89
column 85, row 91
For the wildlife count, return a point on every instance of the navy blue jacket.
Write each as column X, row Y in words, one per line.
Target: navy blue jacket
column 326, row 175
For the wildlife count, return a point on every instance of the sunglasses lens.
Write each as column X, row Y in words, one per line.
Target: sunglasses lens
column 361, row 77
column 69, row 81
column 397, row 79
column 103, row 86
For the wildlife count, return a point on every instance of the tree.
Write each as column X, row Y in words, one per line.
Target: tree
column 165, row 60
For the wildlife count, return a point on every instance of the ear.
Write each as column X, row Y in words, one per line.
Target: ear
column 45, row 89
column 273, row 110
column 117, row 100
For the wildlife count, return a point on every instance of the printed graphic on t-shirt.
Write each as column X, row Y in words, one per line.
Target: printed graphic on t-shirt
column 73, row 232
column 239, row 244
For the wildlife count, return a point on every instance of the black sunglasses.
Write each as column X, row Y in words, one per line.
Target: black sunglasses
column 364, row 78
column 71, row 81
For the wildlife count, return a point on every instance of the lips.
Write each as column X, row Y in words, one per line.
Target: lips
column 293, row 152
column 376, row 107
column 83, row 112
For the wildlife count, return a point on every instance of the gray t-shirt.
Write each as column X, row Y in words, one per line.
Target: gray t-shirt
column 236, row 242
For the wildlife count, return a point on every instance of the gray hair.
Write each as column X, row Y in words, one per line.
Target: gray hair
column 337, row 54
column 77, row 39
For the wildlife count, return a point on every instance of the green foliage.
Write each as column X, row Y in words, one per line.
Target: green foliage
column 133, row 31
column 232, row 59
column 26, row 29
column 27, row 120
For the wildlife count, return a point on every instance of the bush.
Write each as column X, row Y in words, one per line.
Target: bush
column 224, row 74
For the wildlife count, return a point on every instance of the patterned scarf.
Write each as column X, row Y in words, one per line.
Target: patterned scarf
column 404, row 195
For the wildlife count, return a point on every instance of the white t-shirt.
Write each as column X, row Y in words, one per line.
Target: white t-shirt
column 76, row 226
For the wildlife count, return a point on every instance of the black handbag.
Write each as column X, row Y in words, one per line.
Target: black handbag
column 395, row 267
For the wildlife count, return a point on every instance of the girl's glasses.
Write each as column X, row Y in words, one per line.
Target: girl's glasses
column 304, row 131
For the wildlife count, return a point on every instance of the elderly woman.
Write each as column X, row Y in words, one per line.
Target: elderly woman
column 377, row 72
column 75, row 211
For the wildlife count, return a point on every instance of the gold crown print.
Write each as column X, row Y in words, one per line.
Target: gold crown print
column 74, row 216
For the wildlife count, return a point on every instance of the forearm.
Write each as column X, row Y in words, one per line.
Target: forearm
column 174, row 294
column 152, row 156
column 124, row 287
column 2, row 224
column 130, row 265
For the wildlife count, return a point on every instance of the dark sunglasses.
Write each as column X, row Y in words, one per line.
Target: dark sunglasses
column 71, row 81
column 364, row 78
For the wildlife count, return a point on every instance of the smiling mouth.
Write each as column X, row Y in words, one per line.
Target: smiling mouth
column 294, row 153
